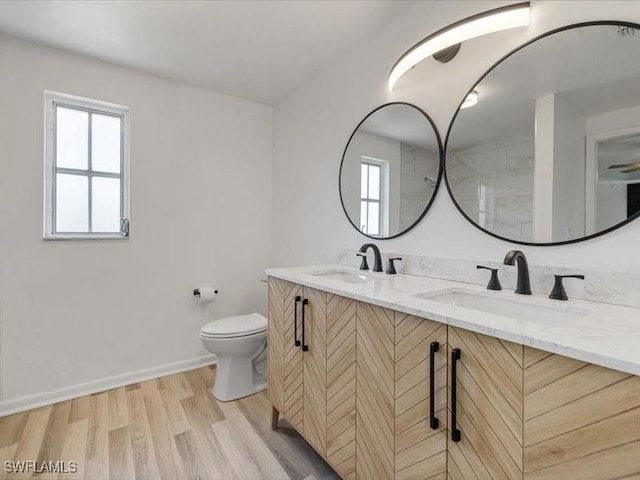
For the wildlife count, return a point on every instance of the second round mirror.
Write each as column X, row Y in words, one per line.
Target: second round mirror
column 550, row 154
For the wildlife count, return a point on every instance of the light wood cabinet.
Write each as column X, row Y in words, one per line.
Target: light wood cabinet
column 293, row 408
column 341, row 385
column 314, row 330
column 489, row 407
column 276, row 342
column 297, row 353
column 420, row 450
column 361, row 395
column 394, row 437
column 580, row 420
column 312, row 368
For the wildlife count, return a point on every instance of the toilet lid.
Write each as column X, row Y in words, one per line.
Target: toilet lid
column 239, row 326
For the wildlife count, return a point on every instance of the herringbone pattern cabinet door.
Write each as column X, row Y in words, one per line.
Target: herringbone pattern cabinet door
column 275, row 343
column 315, row 370
column 582, row 421
column 490, row 408
column 293, row 358
column 420, row 452
column 375, row 392
column 341, row 385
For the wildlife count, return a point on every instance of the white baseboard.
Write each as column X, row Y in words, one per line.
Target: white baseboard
column 15, row 405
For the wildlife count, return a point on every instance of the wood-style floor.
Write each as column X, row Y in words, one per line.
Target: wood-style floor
column 167, row 428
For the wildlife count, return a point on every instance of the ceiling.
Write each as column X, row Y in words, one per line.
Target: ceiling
column 258, row 50
column 594, row 69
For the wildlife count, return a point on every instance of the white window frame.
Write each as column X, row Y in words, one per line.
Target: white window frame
column 52, row 99
column 383, row 201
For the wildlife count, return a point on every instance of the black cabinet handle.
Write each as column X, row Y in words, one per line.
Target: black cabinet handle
column 305, row 347
column 455, row 433
column 433, row 420
column 295, row 321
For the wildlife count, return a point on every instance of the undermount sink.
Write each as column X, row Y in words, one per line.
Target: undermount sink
column 347, row 277
column 504, row 307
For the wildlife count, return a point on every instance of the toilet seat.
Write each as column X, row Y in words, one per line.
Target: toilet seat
column 233, row 327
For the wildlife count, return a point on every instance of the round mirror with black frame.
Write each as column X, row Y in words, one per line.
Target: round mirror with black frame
column 391, row 170
column 550, row 152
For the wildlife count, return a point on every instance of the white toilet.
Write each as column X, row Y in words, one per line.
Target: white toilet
column 240, row 343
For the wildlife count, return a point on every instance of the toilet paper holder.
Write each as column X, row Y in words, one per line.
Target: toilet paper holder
column 196, row 292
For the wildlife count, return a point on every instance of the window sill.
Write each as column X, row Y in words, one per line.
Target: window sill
column 106, row 236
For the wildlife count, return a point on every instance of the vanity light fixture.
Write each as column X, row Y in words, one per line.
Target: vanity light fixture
column 445, row 43
column 471, row 100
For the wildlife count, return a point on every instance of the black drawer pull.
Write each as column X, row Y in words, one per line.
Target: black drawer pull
column 305, row 347
column 295, row 321
column 433, row 420
column 455, row 433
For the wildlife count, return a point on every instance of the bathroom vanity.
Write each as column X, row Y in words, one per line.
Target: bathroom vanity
column 399, row 376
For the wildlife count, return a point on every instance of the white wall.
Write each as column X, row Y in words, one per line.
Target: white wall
column 313, row 124
column 612, row 205
column 568, row 172
column 79, row 311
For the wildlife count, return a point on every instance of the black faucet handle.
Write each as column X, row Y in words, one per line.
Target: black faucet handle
column 558, row 292
column 494, row 282
column 363, row 265
column 391, row 268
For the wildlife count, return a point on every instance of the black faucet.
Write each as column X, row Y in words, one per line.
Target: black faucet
column 558, row 292
column 377, row 267
column 522, row 285
column 391, row 268
column 494, row 282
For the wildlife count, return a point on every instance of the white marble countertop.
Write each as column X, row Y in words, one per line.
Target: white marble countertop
column 602, row 334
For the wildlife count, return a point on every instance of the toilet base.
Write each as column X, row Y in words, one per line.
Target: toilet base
column 235, row 379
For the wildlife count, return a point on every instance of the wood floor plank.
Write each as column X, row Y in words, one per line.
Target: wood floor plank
column 7, row 454
column 118, row 415
column 209, row 451
column 31, row 439
column 144, row 456
column 74, row 447
column 188, row 449
column 260, row 454
column 120, row 455
column 237, row 454
column 178, row 384
column 175, row 414
column 196, row 381
column 169, row 461
column 200, row 409
column 56, row 430
column 79, row 409
column 11, row 427
column 97, row 454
